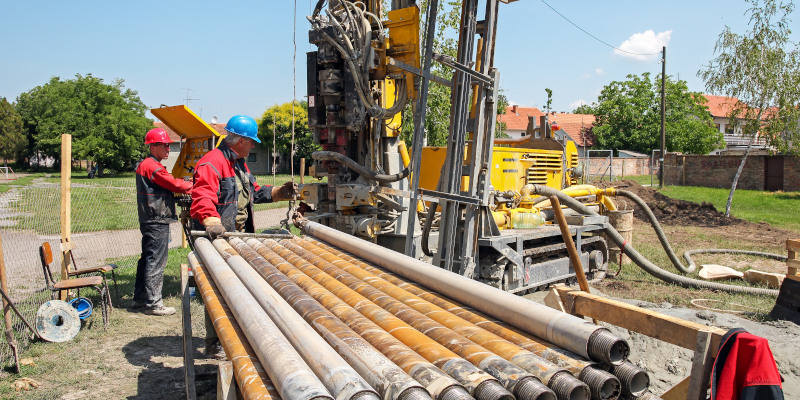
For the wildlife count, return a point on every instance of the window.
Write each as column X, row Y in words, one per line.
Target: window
column 252, row 157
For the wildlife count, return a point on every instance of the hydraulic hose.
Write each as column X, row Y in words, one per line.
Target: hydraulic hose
column 689, row 253
column 426, row 229
column 643, row 262
column 358, row 168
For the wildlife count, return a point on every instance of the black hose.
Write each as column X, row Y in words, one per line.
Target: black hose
column 688, row 254
column 358, row 168
column 644, row 263
column 426, row 229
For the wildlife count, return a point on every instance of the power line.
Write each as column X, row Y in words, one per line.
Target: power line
column 595, row 37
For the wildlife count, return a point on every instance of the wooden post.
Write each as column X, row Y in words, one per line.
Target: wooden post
column 302, row 170
column 9, row 328
column 186, row 317
column 226, row 386
column 66, row 208
column 702, row 362
column 792, row 259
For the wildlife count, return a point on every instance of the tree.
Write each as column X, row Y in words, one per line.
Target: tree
column 12, row 138
column 107, row 121
column 761, row 68
column 584, row 109
column 279, row 117
column 628, row 117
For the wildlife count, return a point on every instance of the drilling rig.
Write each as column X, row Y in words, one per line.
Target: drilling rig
column 467, row 207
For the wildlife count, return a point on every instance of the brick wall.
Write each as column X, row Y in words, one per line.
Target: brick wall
column 718, row 171
column 621, row 167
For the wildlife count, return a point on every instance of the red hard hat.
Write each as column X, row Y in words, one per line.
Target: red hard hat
column 156, row 135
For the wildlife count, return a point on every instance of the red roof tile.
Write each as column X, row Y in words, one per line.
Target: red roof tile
column 577, row 126
column 720, row 106
column 516, row 117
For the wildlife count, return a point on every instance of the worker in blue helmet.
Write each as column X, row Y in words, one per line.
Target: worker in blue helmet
column 224, row 190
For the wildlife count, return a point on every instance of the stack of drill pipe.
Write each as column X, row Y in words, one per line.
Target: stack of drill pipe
column 381, row 373
column 602, row 384
column 559, row 379
column 520, row 382
column 480, row 384
column 250, row 377
column 565, row 330
column 337, row 375
column 285, row 368
column 387, row 377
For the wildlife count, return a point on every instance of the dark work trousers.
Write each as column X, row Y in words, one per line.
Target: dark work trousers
column 150, row 270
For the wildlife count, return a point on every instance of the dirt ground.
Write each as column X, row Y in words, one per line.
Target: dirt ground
column 140, row 357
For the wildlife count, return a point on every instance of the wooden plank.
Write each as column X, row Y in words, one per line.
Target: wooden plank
column 660, row 326
column 702, row 361
column 8, row 325
column 677, row 392
column 793, row 244
column 226, row 386
column 66, row 208
column 553, row 300
column 302, row 170
column 793, row 265
column 186, row 317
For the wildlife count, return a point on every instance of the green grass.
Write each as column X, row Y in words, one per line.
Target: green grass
column 778, row 209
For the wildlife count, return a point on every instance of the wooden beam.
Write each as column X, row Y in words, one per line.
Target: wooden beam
column 9, row 328
column 66, row 209
column 702, row 361
column 677, row 392
column 656, row 325
column 793, row 245
column 226, row 387
column 188, row 348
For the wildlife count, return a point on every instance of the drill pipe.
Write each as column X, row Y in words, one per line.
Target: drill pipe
column 635, row 380
column 520, row 382
column 566, row 386
column 286, row 369
column 565, row 330
column 337, row 375
column 250, row 376
column 604, row 386
column 480, row 384
column 312, row 296
column 379, row 371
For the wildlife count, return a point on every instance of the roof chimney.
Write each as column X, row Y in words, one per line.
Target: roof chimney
column 514, row 109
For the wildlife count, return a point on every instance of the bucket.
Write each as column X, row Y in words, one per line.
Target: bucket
column 83, row 306
column 622, row 221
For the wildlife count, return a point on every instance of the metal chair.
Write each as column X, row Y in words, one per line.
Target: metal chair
column 95, row 281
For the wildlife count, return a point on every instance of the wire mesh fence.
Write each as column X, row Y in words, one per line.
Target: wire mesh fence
column 104, row 229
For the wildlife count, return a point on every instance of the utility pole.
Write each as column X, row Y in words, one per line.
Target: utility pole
column 274, row 152
column 663, row 136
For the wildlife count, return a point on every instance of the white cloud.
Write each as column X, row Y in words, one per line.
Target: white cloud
column 643, row 46
column 577, row 103
column 599, row 71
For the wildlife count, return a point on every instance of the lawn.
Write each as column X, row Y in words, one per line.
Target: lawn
column 779, row 209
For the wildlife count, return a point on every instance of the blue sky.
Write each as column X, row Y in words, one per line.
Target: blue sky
column 236, row 57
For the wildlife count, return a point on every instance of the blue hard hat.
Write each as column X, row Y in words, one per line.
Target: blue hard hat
column 243, row 125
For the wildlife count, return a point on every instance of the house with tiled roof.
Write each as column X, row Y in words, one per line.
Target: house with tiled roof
column 577, row 127
column 721, row 108
column 516, row 119
column 258, row 161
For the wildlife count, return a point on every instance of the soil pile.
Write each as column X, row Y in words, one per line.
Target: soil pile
column 673, row 211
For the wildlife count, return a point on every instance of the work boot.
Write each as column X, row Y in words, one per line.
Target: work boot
column 214, row 350
column 159, row 310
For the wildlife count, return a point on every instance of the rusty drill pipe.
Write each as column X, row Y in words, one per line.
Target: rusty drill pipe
column 565, row 330
column 338, row 376
column 379, row 371
column 480, row 384
column 635, row 381
column 569, row 388
column 520, row 382
column 604, row 386
column 250, row 377
column 286, row 369
column 438, row 384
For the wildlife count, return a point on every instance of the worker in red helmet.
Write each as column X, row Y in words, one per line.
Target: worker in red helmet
column 156, row 206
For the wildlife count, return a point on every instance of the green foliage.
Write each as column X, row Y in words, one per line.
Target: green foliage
column 761, row 68
column 584, row 109
column 629, row 117
column 549, row 101
column 107, row 121
column 12, row 138
column 279, row 118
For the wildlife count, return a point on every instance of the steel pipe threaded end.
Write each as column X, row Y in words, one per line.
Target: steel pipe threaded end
column 567, row 387
column 635, row 381
column 455, row 392
column 491, row 390
column 365, row 395
column 607, row 347
column 414, row 393
column 531, row 388
column 603, row 384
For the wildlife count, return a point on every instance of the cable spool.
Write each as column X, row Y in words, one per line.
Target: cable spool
column 83, row 306
column 57, row 321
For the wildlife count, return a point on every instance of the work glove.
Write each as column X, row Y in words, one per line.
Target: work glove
column 285, row 191
column 214, row 227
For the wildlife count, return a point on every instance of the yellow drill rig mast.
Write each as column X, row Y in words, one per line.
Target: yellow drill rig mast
column 490, row 225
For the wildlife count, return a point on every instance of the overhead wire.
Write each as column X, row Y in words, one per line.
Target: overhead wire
column 593, row 36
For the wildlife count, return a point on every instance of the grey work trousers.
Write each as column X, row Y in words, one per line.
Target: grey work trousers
column 150, row 270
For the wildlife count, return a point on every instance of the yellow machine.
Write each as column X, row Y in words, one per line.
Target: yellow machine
column 472, row 201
